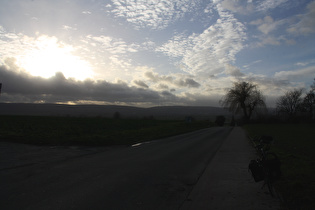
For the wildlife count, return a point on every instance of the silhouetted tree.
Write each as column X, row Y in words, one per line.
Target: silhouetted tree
column 116, row 115
column 243, row 97
column 290, row 103
column 232, row 121
column 313, row 85
column 309, row 102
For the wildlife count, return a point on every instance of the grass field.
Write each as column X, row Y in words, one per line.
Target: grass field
column 94, row 131
column 295, row 144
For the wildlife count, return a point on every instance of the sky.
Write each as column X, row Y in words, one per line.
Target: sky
column 153, row 52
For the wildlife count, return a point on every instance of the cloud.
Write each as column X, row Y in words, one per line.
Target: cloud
column 249, row 6
column 188, row 83
column 141, row 83
column 306, row 23
column 304, row 73
column 305, row 63
column 301, row 64
column 269, row 40
column 67, row 28
column 277, row 32
column 112, row 57
column 175, row 80
column 178, row 46
column 233, row 71
column 112, row 45
column 199, row 99
column 163, row 86
column 237, row 6
column 86, row 12
column 208, row 52
column 18, row 86
column 12, row 44
column 152, row 14
column 269, row 4
column 268, row 24
column 155, row 77
column 252, row 63
column 270, row 30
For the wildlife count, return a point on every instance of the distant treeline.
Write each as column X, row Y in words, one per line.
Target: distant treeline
column 109, row 111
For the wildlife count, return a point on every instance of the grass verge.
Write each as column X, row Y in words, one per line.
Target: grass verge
column 94, row 131
column 294, row 143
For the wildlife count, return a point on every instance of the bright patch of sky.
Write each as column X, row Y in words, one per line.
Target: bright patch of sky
column 153, row 52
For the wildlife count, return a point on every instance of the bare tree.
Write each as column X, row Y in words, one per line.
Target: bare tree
column 313, row 86
column 309, row 103
column 243, row 97
column 116, row 115
column 290, row 103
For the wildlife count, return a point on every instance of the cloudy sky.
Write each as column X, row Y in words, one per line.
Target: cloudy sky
column 153, row 52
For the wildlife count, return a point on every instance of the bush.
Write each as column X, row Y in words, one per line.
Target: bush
column 220, row 120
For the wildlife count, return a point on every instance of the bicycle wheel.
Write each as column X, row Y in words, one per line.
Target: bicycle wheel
column 273, row 165
column 270, row 187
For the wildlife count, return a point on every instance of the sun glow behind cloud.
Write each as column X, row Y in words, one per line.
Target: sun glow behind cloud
column 48, row 56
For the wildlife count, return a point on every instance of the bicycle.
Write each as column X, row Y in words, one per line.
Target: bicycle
column 267, row 167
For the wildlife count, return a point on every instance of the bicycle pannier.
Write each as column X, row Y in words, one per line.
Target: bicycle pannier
column 257, row 170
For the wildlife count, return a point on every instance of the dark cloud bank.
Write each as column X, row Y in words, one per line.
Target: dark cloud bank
column 20, row 87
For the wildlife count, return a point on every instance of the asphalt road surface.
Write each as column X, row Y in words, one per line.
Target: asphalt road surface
column 154, row 175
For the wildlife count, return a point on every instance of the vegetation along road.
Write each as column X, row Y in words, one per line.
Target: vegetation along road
column 154, row 175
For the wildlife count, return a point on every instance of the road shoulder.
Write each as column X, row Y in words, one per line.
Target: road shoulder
column 226, row 182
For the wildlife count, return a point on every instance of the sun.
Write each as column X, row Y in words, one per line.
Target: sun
column 49, row 56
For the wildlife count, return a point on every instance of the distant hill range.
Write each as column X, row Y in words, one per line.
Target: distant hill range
column 160, row 112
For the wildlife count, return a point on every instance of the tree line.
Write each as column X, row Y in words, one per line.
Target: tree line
column 246, row 99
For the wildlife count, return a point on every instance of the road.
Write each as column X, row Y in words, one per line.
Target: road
column 154, row 175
